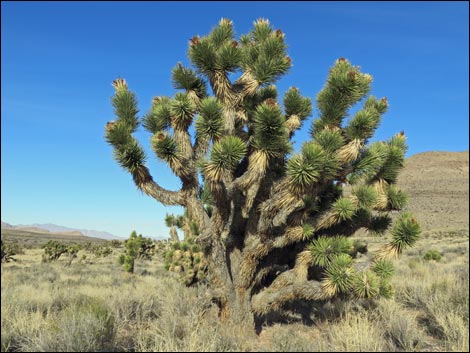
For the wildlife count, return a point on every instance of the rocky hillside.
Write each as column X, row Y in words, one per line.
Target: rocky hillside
column 438, row 186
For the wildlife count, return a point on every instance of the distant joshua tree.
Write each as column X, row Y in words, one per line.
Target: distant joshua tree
column 190, row 229
column 53, row 250
column 136, row 247
column 274, row 224
column 7, row 252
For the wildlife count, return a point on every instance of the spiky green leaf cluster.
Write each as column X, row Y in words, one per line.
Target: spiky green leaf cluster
column 324, row 249
column 366, row 285
column 269, row 131
column 182, row 109
column 379, row 224
column 119, row 135
column 365, row 121
column 158, row 119
column 135, row 247
column 227, row 153
column 131, row 157
column 397, row 199
column 210, row 122
column 330, row 139
column 339, row 275
column 262, row 94
column 301, row 173
column 311, row 165
column 366, row 196
column 170, row 220
column 127, row 151
column 307, row 231
column 405, row 231
column 384, row 269
column 187, row 79
column 295, row 104
column 344, row 208
column 370, row 163
column 216, row 51
column 263, row 53
column 382, row 160
column 125, row 108
column 164, row 146
column 345, row 86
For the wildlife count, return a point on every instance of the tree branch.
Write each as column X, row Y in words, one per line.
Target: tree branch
column 144, row 182
column 269, row 299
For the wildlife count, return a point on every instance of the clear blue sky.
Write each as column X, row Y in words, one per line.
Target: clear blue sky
column 58, row 61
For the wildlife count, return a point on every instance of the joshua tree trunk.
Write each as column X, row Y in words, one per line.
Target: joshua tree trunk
column 174, row 234
column 274, row 227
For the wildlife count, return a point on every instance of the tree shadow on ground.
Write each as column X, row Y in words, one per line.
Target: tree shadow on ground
column 309, row 313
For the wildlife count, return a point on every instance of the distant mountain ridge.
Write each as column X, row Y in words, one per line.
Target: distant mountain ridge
column 54, row 228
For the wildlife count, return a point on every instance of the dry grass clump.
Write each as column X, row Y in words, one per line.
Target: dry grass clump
column 440, row 296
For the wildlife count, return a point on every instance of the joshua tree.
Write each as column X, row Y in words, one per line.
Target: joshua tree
column 278, row 223
column 53, row 250
column 136, row 247
column 172, row 222
column 189, row 228
column 8, row 251
column 72, row 251
column 186, row 259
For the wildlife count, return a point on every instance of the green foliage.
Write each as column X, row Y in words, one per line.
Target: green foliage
column 164, row 146
column 158, row 119
column 135, row 247
column 263, row 53
column 366, row 196
column 325, row 249
column 359, row 246
column 182, row 109
column 125, row 107
column 307, row 231
column 345, row 86
column 295, row 104
column 53, row 250
column 170, row 220
column 8, row 250
column 384, row 269
column 186, row 79
column 101, row 250
column 302, row 174
column 227, row 153
column 187, row 260
column 339, row 275
column 405, row 232
column 366, row 285
column 330, row 139
column 127, row 262
column 115, row 243
column 397, row 199
column 269, row 131
column 344, row 208
column 131, row 157
column 210, row 122
column 366, row 120
column 379, row 224
column 432, row 255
